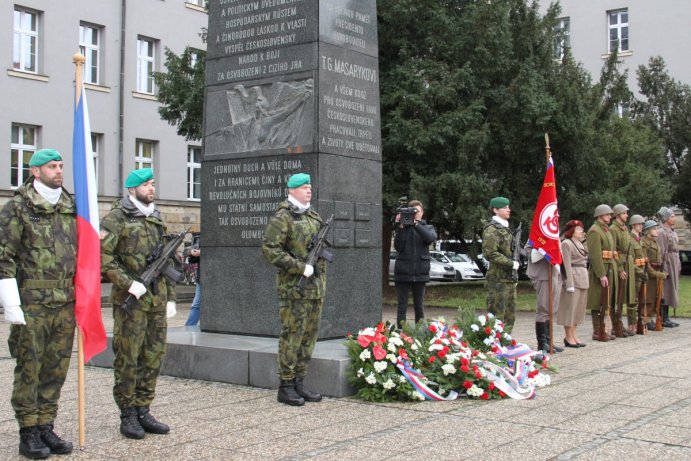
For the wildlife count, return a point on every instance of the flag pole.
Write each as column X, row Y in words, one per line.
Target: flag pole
column 548, row 155
column 78, row 60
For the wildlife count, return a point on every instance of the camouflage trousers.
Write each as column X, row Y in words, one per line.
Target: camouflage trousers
column 139, row 343
column 501, row 301
column 42, row 348
column 300, row 320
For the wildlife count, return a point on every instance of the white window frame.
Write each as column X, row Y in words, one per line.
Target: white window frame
column 22, row 34
column 96, row 142
column 140, row 158
column 192, row 168
column 20, row 153
column 146, row 65
column 563, row 41
column 200, row 3
column 91, row 52
column 617, row 30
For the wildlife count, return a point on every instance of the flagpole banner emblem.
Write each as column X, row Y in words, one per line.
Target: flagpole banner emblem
column 544, row 233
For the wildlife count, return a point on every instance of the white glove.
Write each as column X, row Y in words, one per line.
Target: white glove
column 309, row 270
column 570, row 290
column 170, row 309
column 9, row 299
column 515, row 265
column 14, row 315
column 137, row 289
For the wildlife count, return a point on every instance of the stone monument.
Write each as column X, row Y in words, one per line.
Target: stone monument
column 291, row 86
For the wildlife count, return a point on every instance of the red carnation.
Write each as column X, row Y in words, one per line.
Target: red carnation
column 513, row 342
column 478, row 375
column 502, row 394
column 488, row 330
column 467, row 384
column 431, row 358
column 402, row 353
column 497, row 334
column 465, row 369
column 491, row 386
column 433, row 328
column 485, row 396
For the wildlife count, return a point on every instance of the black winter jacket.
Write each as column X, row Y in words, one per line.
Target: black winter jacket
column 412, row 245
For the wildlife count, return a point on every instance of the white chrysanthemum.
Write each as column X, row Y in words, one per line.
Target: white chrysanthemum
column 402, row 379
column 490, row 315
column 417, row 395
column 435, row 347
column 388, row 384
column 367, row 332
column 475, row 391
column 507, row 337
column 391, row 358
column 481, row 356
column 448, row 369
column 474, row 327
column 499, row 327
column 360, row 373
column 391, row 347
column 371, row 379
column 396, row 341
column 413, row 347
column 488, row 341
column 365, row 354
column 482, row 319
column 380, row 366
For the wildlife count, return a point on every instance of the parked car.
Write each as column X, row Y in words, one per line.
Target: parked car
column 522, row 269
column 465, row 268
column 438, row 272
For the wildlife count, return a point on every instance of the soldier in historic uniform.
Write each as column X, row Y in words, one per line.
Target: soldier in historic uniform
column 285, row 245
column 497, row 239
column 626, row 289
column 130, row 232
column 653, row 270
column 602, row 273
column 639, row 262
column 539, row 271
column 38, row 251
column 668, row 242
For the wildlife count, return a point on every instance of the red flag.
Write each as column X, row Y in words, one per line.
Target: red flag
column 544, row 233
column 87, row 281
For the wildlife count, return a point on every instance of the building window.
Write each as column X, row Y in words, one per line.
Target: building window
column 144, row 158
column 25, row 50
column 22, row 148
column 96, row 141
column 146, row 65
column 90, row 47
column 563, row 38
column 618, row 30
column 194, row 171
column 201, row 3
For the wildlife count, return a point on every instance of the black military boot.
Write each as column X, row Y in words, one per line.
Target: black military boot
column 666, row 322
column 288, row 395
column 554, row 347
column 129, row 424
column 541, row 336
column 309, row 396
column 53, row 441
column 149, row 423
column 31, row 445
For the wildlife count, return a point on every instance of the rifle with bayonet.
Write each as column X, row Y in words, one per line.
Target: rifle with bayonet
column 158, row 263
column 642, row 294
column 658, row 299
column 604, row 309
column 318, row 249
column 617, row 321
column 516, row 249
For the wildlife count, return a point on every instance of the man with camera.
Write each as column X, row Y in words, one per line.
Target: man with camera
column 411, row 241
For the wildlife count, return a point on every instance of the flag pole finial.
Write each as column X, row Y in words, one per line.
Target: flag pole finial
column 548, row 150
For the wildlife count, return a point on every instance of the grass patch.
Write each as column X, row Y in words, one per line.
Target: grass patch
column 473, row 295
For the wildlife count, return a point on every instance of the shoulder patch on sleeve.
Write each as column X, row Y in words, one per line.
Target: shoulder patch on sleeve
column 103, row 234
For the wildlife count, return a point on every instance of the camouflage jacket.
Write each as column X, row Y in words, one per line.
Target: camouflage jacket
column 38, row 246
column 496, row 247
column 128, row 238
column 285, row 246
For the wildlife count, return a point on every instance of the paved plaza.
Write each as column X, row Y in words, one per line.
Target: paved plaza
column 627, row 399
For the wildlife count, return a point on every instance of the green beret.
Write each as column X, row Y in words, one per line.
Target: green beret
column 43, row 156
column 139, row 177
column 499, row 202
column 298, row 179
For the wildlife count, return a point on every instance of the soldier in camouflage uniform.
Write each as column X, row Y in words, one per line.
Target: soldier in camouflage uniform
column 602, row 273
column 496, row 247
column 38, row 251
column 639, row 262
column 654, row 269
column 129, row 235
column 626, row 293
column 285, row 246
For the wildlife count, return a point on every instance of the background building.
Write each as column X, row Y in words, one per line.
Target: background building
column 124, row 42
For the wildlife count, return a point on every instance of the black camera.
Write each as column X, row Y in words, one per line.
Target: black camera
column 406, row 212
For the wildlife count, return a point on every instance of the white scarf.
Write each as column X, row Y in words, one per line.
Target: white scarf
column 48, row 193
column 503, row 222
column 301, row 208
column 145, row 209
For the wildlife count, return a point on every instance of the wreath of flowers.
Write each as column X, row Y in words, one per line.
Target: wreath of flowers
column 436, row 361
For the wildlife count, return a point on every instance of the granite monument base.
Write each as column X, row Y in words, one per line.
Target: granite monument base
column 246, row 360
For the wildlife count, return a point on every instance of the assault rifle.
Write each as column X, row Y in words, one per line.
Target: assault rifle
column 158, row 263
column 318, row 247
column 516, row 248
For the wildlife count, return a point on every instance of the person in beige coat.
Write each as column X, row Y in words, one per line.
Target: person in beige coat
column 574, row 295
column 668, row 241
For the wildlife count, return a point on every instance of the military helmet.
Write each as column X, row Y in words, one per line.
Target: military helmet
column 636, row 219
column 649, row 224
column 602, row 209
column 619, row 208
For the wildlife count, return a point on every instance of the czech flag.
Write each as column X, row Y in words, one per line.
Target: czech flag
column 87, row 281
column 544, row 233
